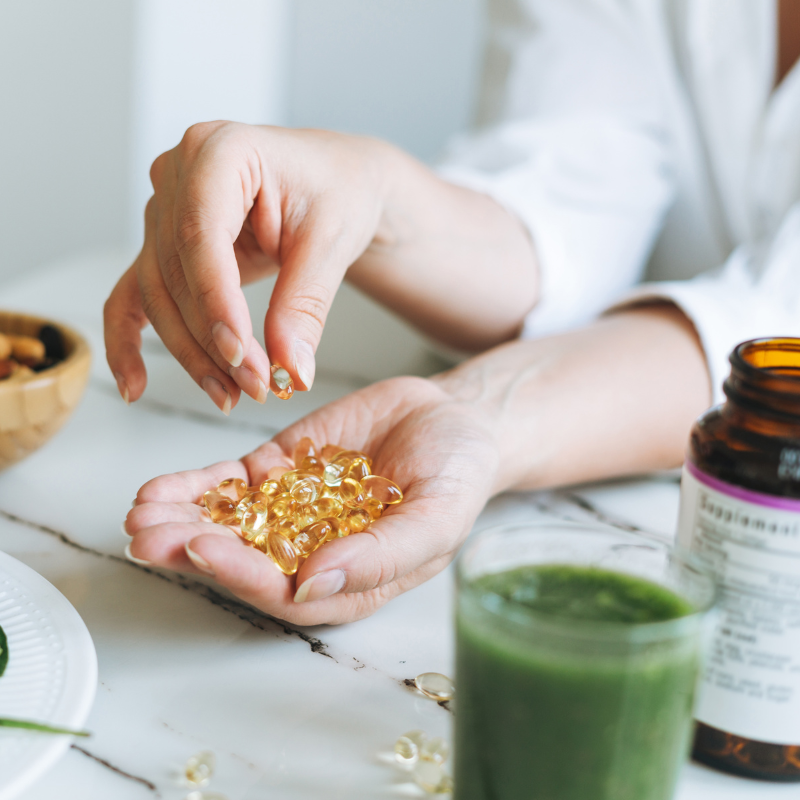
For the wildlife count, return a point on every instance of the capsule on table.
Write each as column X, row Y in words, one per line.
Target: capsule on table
column 435, row 749
column 358, row 520
column 234, row 488
column 254, row 520
column 407, row 747
column 281, row 383
column 282, row 552
column 198, row 795
column 432, row 778
column 220, row 508
column 199, row 769
column 388, row 492
column 435, row 685
column 304, row 448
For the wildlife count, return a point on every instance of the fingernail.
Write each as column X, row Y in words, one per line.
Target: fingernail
column 250, row 382
column 228, row 344
column 305, row 364
column 198, row 560
column 125, row 530
column 319, row 586
column 218, row 394
column 122, row 386
column 133, row 558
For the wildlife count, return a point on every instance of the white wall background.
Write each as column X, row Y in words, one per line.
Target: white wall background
column 65, row 127
column 91, row 91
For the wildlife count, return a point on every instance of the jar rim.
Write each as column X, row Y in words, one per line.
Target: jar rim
column 740, row 362
column 641, row 632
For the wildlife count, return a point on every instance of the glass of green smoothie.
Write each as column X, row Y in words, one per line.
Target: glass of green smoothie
column 578, row 650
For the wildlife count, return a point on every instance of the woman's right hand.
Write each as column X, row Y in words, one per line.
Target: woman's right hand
column 233, row 203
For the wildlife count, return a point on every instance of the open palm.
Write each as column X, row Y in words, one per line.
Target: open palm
column 437, row 450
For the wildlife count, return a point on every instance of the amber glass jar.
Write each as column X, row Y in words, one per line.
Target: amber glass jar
column 740, row 513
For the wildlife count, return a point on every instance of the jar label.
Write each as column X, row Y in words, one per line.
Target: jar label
column 751, row 541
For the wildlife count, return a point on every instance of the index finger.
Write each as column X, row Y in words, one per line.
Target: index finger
column 213, row 198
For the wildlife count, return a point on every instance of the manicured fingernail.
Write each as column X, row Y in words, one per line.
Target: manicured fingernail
column 218, row 394
column 122, row 386
column 319, row 586
column 304, row 362
column 133, row 558
column 198, row 560
column 250, row 382
column 125, row 531
column 228, row 344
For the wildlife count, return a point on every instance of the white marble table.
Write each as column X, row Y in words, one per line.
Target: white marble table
column 183, row 667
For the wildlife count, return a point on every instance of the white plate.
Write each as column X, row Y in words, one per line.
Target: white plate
column 51, row 675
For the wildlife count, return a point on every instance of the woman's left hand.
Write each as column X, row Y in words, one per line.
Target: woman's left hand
column 439, row 451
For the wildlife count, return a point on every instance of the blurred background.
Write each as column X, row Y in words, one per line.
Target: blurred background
column 92, row 91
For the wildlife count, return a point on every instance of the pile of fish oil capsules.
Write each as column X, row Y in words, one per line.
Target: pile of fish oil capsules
column 329, row 494
column 199, row 769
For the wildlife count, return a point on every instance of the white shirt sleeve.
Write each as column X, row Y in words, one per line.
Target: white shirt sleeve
column 578, row 151
column 755, row 294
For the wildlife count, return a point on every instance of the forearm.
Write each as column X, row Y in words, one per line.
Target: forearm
column 450, row 260
column 617, row 397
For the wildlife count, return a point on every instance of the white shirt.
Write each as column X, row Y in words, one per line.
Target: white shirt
column 641, row 140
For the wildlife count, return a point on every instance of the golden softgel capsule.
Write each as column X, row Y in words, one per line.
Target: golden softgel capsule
column 330, row 494
column 281, row 383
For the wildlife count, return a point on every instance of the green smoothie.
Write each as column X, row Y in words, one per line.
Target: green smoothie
column 574, row 683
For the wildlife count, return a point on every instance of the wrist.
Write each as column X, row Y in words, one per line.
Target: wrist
column 503, row 389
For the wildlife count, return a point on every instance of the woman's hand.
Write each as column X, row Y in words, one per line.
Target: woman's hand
column 233, row 203
column 439, row 451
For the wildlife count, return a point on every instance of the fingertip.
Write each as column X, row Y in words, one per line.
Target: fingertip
column 122, row 388
column 228, row 344
column 223, row 396
column 201, row 563
column 305, row 363
column 250, row 383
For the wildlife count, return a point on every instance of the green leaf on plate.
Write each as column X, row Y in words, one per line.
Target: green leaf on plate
column 3, row 651
column 38, row 726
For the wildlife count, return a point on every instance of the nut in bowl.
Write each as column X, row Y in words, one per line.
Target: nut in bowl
column 44, row 367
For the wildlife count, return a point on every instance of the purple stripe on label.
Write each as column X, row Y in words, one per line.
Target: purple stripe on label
column 757, row 498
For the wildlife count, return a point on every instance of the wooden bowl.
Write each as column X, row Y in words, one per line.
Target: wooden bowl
column 32, row 410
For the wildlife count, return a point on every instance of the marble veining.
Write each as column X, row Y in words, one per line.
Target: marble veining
column 290, row 713
column 116, row 770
